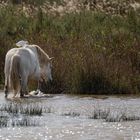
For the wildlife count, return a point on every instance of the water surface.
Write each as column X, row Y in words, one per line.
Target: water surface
column 65, row 117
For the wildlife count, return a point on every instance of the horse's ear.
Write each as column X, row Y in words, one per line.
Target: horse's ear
column 51, row 58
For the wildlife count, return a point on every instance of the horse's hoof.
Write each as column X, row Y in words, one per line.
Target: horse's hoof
column 21, row 96
column 6, row 95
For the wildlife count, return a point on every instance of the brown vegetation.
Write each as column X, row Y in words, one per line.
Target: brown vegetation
column 95, row 51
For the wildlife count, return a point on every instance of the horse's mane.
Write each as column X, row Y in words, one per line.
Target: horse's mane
column 43, row 57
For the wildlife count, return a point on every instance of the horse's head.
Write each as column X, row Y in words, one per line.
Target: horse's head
column 47, row 71
column 45, row 63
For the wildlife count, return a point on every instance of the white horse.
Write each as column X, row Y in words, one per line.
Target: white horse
column 24, row 63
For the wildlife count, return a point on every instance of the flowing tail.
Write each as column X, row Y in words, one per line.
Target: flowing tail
column 14, row 74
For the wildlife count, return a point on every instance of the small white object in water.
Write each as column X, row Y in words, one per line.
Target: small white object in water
column 32, row 92
column 37, row 93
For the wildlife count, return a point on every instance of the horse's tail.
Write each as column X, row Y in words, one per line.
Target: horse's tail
column 14, row 75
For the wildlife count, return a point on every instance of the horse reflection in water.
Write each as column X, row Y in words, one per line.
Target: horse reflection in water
column 24, row 63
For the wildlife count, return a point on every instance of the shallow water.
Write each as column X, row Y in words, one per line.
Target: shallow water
column 66, row 117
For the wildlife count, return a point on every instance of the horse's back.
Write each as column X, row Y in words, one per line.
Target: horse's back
column 24, row 53
column 29, row 59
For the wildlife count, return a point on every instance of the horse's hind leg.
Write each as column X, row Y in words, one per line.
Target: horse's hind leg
column 6, row 90
column 16, row 87
column 23, row 88
column 15, row 93
column 6, row 87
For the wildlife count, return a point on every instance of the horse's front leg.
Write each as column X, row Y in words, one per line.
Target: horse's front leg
column 38, row 87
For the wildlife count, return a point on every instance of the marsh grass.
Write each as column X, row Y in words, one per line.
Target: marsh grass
column 27, row 109
column 94, row 52
column 48, row 110
column 109, row 115
column 71, row 114
column 24, row 122
column 3, row 121
column 15, row 115
column 32, row 110
column 6, row 121
column 106, row 114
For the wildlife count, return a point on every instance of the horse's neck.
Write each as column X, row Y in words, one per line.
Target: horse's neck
column 43, row 57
